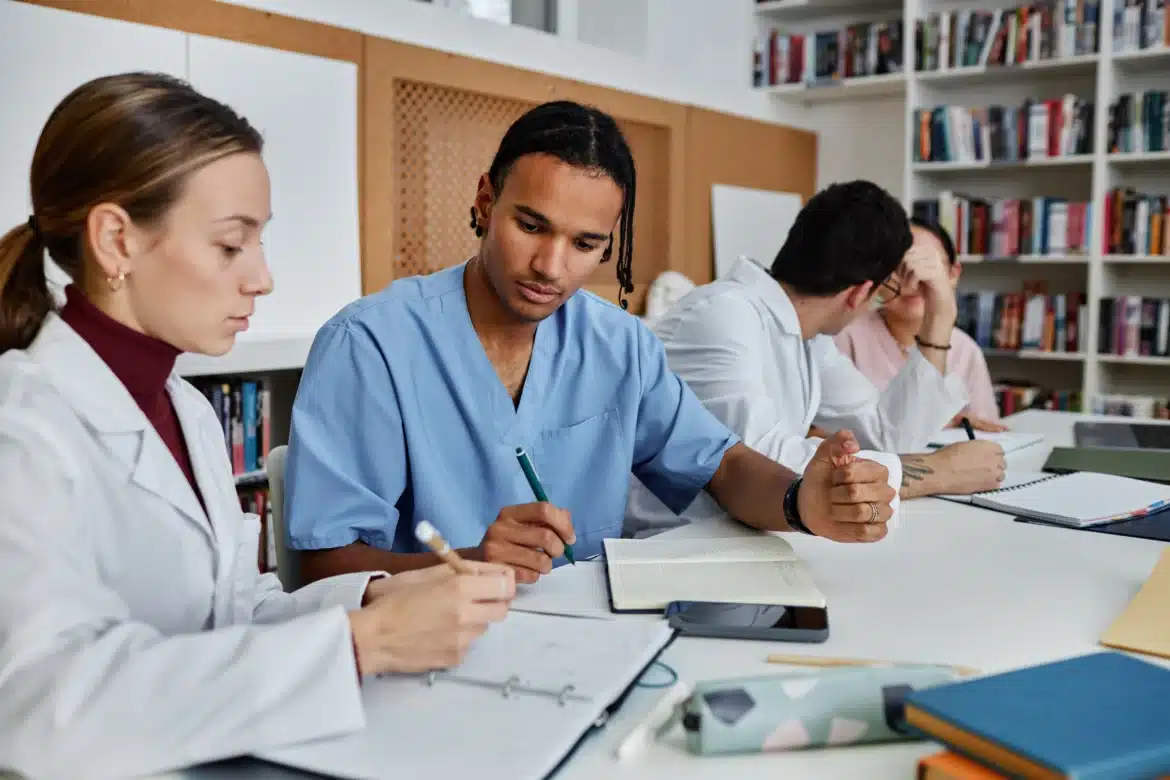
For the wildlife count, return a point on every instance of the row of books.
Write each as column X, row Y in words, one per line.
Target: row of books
column 1139, row 122
column 1008, row 227
column 1046, row 30
column 1031, row 319
column 1144, row 406
column 1140, row 24
column 1132, row 325
column 1135, row 223
column 244, row 407
column 255, row 500
column 1035, row 129
column 1013, row 396
column 850, row 52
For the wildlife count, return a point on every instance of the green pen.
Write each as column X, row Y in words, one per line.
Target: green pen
column 538, row 491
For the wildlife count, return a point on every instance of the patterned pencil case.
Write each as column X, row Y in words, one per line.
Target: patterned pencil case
column 807, row 709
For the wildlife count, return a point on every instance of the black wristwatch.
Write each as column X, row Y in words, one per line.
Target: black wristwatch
column 791, row 511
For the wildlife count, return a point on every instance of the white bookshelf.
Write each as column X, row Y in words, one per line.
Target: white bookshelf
column 1100, row 77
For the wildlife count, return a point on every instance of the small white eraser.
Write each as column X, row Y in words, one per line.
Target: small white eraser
column 425, row 532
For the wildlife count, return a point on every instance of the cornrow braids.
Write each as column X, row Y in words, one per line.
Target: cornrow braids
column 584, row 137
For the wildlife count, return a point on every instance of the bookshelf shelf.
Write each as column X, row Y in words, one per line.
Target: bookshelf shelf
column 1143, row 59
column 883, row 86
column 807, row 10
column 1024, row 259
column 1004, row 165
column 1065, row 67
column 252, row 478
column 250, row 356
column 1032, row 354
column 1134, row 360
column 1137, row 259
column 1139, row 158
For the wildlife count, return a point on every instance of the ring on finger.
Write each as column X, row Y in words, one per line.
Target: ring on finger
column 874, row 512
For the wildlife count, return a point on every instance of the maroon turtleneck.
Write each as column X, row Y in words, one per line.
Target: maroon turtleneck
column 141, row 362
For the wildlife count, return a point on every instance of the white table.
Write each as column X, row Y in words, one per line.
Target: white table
column 950, row 584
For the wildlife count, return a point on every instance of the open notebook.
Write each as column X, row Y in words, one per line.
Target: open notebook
column 1081, row 499
column 1010, row 441
column 528, row 691
column 645, row 575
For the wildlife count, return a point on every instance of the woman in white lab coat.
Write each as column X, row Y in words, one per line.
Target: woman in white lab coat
column 136, row 634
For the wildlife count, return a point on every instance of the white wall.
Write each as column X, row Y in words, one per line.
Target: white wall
column 863, row 140
column 701, row 57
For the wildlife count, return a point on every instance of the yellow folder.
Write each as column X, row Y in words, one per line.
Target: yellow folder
column 1144, row 626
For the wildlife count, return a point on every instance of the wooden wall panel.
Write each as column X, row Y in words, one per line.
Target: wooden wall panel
column 725, row 149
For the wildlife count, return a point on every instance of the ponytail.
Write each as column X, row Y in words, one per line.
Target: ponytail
column 25, row 300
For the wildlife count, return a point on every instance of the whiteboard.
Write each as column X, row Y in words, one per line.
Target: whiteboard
column 751, row 223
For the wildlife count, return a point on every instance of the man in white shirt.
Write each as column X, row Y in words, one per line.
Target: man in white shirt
column 756, row 347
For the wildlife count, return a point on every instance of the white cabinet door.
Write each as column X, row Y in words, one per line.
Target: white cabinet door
column 306, row 108
column 44, row 55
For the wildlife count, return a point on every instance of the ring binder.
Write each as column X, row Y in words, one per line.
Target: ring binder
column 564, row 697
column 1017, row 487
column 430, row 682
column 507, row 687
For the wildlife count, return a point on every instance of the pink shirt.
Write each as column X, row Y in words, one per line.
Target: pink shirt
column 868, row 343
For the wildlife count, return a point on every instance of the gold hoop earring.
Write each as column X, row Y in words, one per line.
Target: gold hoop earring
column 116, row 282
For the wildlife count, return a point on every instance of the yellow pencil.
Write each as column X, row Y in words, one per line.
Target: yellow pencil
column 429, row 535
column 805, row 660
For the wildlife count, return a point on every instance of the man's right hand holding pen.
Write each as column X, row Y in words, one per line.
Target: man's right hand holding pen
column 527, row 538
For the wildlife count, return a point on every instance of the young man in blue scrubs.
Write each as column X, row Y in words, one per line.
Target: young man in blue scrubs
column 414, row 400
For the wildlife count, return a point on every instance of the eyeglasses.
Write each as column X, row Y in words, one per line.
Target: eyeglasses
column 887, row 291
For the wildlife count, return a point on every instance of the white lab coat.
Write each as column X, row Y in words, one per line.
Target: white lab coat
column 737, row 343
column 136, row 634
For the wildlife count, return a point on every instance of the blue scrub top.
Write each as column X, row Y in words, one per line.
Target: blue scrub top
column 400, row 417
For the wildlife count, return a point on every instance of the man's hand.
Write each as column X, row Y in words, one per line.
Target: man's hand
column 527, row 537
column 970, row 466
column 978, row 423
column 966, row 467
column 844, row 498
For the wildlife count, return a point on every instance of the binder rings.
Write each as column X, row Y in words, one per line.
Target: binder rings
column 530, row 690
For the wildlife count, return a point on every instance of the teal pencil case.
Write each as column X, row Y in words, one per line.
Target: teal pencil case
column 807, row 709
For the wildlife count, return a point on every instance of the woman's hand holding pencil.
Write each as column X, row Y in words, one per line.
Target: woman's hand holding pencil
column 426, row 619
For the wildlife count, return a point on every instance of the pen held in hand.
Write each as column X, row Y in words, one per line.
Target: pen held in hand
column 538, row 491
column 429, row 535
column 967, row 427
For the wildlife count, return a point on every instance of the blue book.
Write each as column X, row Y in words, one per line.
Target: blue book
column 1097, row 716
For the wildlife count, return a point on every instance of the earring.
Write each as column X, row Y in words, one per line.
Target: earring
column 116, row 282
column 478, row 228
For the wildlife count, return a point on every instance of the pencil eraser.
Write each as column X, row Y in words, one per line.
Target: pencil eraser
column 424, row 532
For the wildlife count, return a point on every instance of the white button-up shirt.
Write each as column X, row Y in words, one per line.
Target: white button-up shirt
column 737, row 343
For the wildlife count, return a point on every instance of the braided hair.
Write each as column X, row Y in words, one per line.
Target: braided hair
column 584, row 137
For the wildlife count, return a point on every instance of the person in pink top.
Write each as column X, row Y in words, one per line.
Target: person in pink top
column 878, row 342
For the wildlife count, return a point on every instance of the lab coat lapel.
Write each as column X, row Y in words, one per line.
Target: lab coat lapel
column 206, row 451
column 156, row 471
column 106, row 407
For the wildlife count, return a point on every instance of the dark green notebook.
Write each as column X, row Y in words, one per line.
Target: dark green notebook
column 1147, row 464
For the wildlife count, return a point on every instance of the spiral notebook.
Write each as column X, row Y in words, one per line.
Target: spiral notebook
column 1080, row 500
column 527, row 693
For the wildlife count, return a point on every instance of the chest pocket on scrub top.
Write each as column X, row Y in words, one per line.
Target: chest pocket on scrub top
column 581, row 468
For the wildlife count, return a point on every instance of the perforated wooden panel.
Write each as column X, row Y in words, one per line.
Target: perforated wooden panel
column 444, row 139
